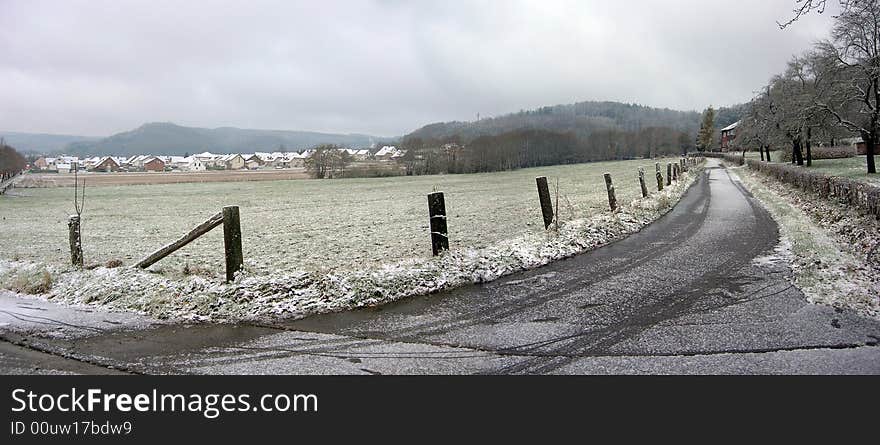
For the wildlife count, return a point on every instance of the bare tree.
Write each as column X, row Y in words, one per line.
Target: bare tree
column 320, row 163
column 804, row 7
column 852, row 58
column 341, row 160
column 756, row 125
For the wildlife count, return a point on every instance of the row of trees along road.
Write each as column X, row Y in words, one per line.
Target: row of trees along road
column 11, row 161
column 830, row 92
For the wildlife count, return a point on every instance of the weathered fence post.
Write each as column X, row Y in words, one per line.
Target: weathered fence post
column 546, row 204
column 437, row 216
column 659, row 177
column 642, row 182
column 612, row 200
column 76, row 254
column 232, row 241
column 675, row 172
column 668, row 173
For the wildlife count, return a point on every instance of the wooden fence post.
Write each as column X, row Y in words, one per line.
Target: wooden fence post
column 659, row 177
column 642, row 182
column 612, row 200
column 437, row 217
column 232, row 241
column 546, row 204
column 675, row 172
column 76, row 254
column 668, row 173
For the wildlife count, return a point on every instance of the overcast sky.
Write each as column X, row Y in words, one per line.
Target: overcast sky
column 376, row 67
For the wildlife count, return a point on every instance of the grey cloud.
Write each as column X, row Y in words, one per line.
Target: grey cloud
column 379, row 67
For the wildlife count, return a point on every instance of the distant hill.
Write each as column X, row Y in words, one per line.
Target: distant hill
column 164, row 138
column 41, row 143
column 582, row 119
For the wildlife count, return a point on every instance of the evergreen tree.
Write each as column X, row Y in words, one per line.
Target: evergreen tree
column 707, row 130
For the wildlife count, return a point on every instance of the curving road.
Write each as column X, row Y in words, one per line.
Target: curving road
column 698, row 291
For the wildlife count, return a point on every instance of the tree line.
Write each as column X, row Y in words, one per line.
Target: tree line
column 11, row 161
column 524, row 148
column 830, row 92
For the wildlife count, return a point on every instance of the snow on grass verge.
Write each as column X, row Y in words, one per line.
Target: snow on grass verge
column 827, row 244
column 299, row 294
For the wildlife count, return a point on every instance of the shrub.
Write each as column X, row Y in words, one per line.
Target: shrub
column 822, row 153
column 372, row 171
column 28, row 281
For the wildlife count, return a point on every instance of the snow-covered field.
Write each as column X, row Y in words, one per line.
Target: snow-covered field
column 313, row 246
column 301, row 225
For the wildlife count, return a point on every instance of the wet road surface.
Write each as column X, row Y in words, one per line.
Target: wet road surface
column 698, row 291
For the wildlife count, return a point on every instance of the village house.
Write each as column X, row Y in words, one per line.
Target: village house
column 107, row 164
column 210, row 160
column 51, row 164
column 857, row 143
column 387, row 153
column 362, row 154
column 728, row 135
column 90, row 163
column 295, row 160
column 154, row 165
column 136, row 162
column 281, row 161
column 174, row 162
column 357, row 155
column 193, row 164
column 231, row 162
column 63, row 167
column 252, row 161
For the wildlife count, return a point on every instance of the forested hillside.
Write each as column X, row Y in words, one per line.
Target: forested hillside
column 582, row 118
column 560, row 134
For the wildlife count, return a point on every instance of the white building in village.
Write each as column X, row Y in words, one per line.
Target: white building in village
column 192, row 164
column 388, row 152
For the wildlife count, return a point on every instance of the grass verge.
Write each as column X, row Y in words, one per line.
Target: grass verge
column 828, row 245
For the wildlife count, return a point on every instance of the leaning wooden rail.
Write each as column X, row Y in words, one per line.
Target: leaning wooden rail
column 200, row 230
column 231, row 237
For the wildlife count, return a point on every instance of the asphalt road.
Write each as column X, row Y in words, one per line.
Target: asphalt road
column 696, row 292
